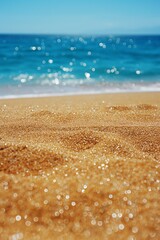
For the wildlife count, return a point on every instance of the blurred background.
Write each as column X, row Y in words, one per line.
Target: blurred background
column 69, row 47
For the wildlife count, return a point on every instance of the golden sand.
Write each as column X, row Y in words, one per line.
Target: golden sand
column 83, row 167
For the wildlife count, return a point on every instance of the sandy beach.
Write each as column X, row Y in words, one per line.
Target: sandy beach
column 80, row 167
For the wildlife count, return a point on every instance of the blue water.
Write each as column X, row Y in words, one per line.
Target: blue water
column 61, row 64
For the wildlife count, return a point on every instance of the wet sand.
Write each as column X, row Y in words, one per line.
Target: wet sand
column 82, row 167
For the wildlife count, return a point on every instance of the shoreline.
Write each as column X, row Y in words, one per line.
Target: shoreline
column 69, row 90
column 72, row 94
column 80, row 167
column 127, row 98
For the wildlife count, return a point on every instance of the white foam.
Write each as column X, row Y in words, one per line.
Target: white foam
column 12, row 92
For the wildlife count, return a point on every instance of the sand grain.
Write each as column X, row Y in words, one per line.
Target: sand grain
column 84, row 167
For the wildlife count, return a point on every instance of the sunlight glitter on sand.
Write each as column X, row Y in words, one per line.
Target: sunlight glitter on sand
column 83, row 167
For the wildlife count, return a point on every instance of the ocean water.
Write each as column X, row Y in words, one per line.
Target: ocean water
column 32, row 65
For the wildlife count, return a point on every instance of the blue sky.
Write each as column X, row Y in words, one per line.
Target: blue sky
column 80, row 16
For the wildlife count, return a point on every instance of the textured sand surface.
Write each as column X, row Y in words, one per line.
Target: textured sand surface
column 84, row 167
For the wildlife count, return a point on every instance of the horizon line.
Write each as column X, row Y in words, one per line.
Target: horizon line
column 84, row 34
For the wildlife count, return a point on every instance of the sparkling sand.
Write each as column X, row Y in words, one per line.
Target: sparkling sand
column 80, row 167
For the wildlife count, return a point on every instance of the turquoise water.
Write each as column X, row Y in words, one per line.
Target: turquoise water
column 59, row 64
